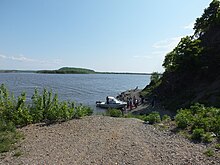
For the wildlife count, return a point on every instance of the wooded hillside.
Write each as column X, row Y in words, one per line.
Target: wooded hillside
column 192, row 69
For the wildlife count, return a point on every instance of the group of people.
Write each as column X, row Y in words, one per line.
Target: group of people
column 132, row 102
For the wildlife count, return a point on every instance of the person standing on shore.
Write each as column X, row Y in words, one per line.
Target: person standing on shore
column 142, row 99
column 107, row 100
column 130, row 103
column 135, row 102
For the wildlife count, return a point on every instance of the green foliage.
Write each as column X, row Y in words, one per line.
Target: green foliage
column 81, row 111
column 155, row 76
column 68, row 70
column 202, row 122
column 209, row 152
column 209, row 18
column 192, row 65
column 153, row 118
column 129, row 115
column 44, row 107
column 207, row 137
column 197, row 134
column 17, row 153
column 187, row 52
column 114, row 112
column 217, row 146
column 166, row 118
column 183, row 118
column 148, row 90
column 8, row 136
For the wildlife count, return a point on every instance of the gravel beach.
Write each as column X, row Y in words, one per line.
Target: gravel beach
column 105, row 140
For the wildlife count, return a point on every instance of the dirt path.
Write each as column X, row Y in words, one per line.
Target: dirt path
column 105, row 140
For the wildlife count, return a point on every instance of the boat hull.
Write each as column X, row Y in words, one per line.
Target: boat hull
column 104, row 105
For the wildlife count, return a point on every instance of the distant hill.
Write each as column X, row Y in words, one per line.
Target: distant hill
column 192, row 69
column 68, row 70
column 72, row 70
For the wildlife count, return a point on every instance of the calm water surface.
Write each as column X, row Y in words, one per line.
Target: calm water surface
column 82, row 88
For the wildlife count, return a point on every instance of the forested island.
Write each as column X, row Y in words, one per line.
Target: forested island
column 68, row 70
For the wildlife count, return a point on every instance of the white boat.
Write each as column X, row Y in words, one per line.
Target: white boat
column 111, row 103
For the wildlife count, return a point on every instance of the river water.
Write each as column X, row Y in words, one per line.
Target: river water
column 81, row 88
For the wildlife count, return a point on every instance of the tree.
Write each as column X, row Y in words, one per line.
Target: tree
column 185, row 56
column 155, row 76
column 210, row 18
column 169, row 62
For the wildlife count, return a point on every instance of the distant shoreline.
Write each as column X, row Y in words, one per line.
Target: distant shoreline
column 54, row 72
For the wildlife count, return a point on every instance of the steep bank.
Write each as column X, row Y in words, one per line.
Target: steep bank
column 192, row 69
column 105, row 140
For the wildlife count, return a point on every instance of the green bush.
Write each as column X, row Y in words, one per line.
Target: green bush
column 217, row 146
column 81, row 111
column 129, row 115
column 153, row 117
column 207, row 137
column 206, row 118
column 44, row 107
column 114, row 113
column 166, row 118
column 209, row 152
column 203, row 122
column 197, row 134
column 8, row 135
column 183, row 118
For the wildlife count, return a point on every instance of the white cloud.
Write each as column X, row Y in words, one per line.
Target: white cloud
column 189, row 26
column 2, row 56
column 159, row 53
column 168, row 44
column 161, row 48
column 22, row 58
column 146, row 57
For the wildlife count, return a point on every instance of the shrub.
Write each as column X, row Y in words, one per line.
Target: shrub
column 17, row 153
column 209, row 152
column 154, row 78
column 217, row 146
column 183, row 118
column 153, row 117
column 44, row 107
column 197, row 134
column 114, row 112
column 166, row 118
column 207, row 137
column 203, row 122
column 8, row 136
column 81, row 111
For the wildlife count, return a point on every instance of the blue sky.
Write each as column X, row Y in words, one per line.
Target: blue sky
column 104, row 35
